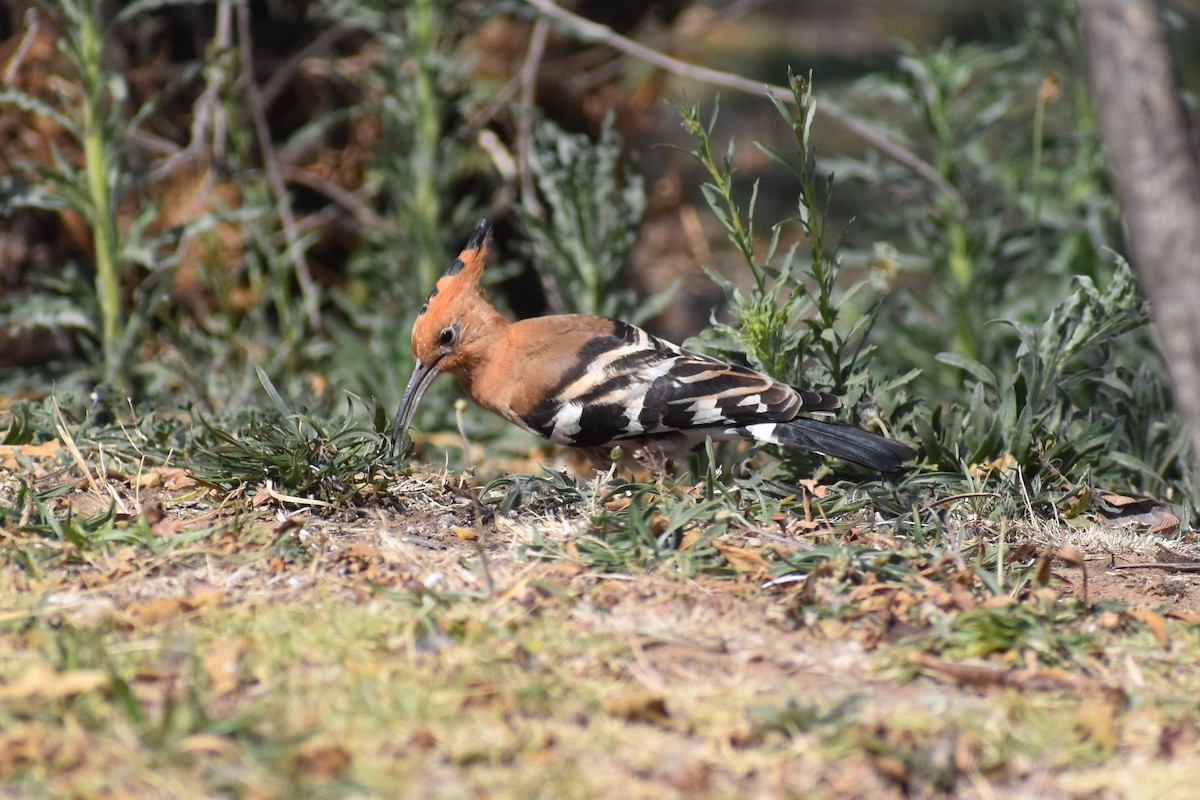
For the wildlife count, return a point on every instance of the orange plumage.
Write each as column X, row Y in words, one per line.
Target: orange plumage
column 594, row 383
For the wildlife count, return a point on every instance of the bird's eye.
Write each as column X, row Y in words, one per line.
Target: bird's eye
column 448, row 336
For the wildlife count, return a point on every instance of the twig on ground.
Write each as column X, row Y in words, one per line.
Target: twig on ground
column 1186, row 566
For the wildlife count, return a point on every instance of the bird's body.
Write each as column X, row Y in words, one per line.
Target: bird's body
column 596, row 383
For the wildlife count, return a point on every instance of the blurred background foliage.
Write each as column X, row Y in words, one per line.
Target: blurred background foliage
column 203, row 199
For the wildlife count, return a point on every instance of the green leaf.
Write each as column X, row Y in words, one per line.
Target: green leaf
column 969, row 365
column 272, row 392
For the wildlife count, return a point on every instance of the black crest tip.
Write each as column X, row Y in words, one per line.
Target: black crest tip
column 481, row 235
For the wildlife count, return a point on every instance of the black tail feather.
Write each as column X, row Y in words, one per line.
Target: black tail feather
column 845, row 442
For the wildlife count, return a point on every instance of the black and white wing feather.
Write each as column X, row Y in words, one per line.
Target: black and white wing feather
column 631, row 385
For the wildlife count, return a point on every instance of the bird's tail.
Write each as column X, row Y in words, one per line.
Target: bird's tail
column 845, row 442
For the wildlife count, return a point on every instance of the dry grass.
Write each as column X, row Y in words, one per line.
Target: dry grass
column 245, row 647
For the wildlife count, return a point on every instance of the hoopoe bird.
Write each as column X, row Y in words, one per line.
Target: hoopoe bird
column 596, row 384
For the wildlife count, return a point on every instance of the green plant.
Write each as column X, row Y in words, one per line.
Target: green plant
column 1058, row 406
column 643, row 527
column 424, row 185
column 305, row 457
column 100, row 129
column 1069, row 387
column 1040, row 627
column 90, row 176
column 551, row 490
column 20, row 427
column 796, row 717
column 791, row 325
column 30, row 511
column 584, row 234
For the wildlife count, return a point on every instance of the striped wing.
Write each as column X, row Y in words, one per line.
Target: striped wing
column 631, row 385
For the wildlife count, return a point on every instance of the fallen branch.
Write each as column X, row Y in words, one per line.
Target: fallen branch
column 1186, row 566
column 983, row 676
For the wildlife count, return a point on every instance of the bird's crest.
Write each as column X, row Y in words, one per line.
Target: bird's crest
column 467, row 269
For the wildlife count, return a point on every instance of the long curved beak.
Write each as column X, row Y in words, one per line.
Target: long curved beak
column 422, row 377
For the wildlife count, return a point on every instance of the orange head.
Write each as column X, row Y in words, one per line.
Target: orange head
column 451, row 328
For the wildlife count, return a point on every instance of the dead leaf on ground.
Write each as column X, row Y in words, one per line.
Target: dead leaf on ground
column 934, row 592
column 617, row 503
column 1177, row 738
column 1119, row 510
column 43, row 682
column 1156, row 622
column 870, row 586
column 224, row 662
column 21, row 747
column 1076, row 502
column 565, row 569
column 10, row 454
column 1041, row 570
column 639, row 706
column 817, row 490
column 323, row 762
column 1166, row 525
column 799, row 526
column 745, row 560
column 1095, row 719
column 1122, row 501
column 968, row 750
column 1070, row 555
column 161, row 609
column 360, row 551
column 262, row 496
column 172, row 478
column 206, row 744
column 999, row 464
column 961, row 597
